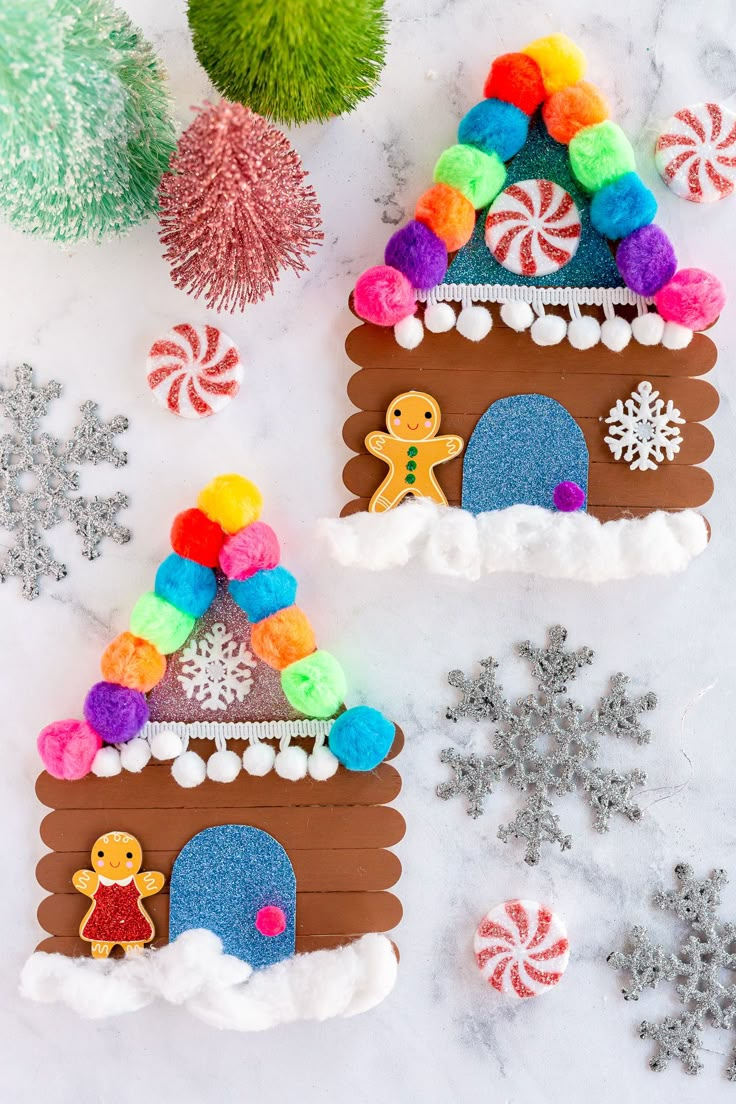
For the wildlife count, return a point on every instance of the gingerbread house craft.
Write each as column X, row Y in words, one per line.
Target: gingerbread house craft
column 530, row 355
column 220, row 822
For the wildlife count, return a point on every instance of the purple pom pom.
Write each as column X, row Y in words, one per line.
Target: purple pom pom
column 568, row 497
column 116, row 713
column 646, row 260
column 417, row 252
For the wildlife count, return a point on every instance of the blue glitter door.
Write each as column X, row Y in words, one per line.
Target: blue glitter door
column 520, row 450
column 237, row 882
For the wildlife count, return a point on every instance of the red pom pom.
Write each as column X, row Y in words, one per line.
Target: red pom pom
column 517, row 79
column 197, row 538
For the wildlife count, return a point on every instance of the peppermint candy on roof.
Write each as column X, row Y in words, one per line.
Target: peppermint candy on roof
column 533, row 228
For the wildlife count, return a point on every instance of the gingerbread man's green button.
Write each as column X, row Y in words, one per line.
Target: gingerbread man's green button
column 411, row 465
column 410, row 479
column 412, row 451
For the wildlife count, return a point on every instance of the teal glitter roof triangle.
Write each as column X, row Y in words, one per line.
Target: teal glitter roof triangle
column 592, row 266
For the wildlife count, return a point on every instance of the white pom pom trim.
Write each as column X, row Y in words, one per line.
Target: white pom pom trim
column 549, row 329
column 258, row 759
column 135, row 755
column 676, row 336
column 439, row 318
column 189, row 770
column 224, row 766
column 517, row 316
column 322, row 764
column 106, row 763
column 648, row 329
column 584, row 332
column 616, row 334
column 409, row 332
column 291, row 763
column 474, row 323
column 166, row 745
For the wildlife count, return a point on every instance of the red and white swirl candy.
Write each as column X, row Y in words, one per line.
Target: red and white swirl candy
column 695, row 153
column 521, row 948
column 533, row 228
column 194, row 371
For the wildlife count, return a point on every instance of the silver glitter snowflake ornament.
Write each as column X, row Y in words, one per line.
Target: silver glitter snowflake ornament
column 38, row 474
column 705, row 966
column 546, row 745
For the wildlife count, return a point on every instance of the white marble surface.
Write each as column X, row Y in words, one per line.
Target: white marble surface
column 87, row 316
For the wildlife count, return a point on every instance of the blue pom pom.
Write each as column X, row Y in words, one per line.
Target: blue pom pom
column 494, row 127
column 264, row 593
column 187, row 585
column 361, row 738
column 622, row 207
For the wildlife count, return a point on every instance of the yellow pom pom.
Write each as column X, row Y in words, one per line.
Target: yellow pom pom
column 562, row 62
column 232, row 501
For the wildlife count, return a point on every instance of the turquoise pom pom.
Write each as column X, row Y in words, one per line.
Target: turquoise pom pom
column 622, row 207
column 494, row 127
column 187, row 585
column 264, row 593
column 361, row 738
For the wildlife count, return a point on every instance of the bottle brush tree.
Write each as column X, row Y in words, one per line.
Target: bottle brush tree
column 291, row 60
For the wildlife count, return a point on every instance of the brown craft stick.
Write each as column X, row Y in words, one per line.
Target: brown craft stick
column 696, row 447
column 168, row 830
column 608, row 485
column 316, row 913
column 335, row 870
column 155, row 788
column 603, row 513
column 472, row 392
column 504, row 349
column 77, row 948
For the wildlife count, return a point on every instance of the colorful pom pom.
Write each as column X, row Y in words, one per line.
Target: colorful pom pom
column 68, row 748
column 133, row 662
column 232, row 501
column 255, row 548
column 569, row 110
column 494, row 127
column 477, row 175
column 361, row 738
column 561, row 62
column 115, row 712
column 568, row 496
column 185, row 584
column 162, row 624
column 516, row 79
column 384, row 296
column 314, row 686
column 270, row 921
column 419, row 254
column 197, row 538
column 693, row 298
column 264, row 593
column 283, row 638
column 448, row 214
column 600, row 154
column 646, row 260
column 623, row 206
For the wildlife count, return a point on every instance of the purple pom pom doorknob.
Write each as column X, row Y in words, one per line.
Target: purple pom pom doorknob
column 568, row 497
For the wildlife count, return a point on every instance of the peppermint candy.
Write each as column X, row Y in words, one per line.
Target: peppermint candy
column 521, row 949
column 696, row 153
column 194, row 371
column 533, row 228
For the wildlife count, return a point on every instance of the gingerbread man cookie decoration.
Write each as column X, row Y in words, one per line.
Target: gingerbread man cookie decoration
column 412, row 450
column 117, row 887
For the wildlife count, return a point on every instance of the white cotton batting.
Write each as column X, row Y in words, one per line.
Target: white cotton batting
column 520, row 539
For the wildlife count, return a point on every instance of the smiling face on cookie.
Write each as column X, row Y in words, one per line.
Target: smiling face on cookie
column 116, row 856
column 413, row 416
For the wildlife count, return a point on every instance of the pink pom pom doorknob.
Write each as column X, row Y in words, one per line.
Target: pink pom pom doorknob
column 271, row 920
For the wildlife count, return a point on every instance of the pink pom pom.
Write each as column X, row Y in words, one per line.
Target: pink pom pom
column 254, row 548
column 693, row 298
column 68, row 748
column 271, row 920
column 383, row 295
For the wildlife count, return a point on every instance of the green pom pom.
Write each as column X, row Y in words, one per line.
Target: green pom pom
column 479, row 176
column 86, row 122
column 294, row 60
column 600, row 154
column 160, row 623
column 315, row 685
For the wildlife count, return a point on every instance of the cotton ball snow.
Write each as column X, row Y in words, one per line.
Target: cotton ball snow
column 439, row 318
column 135, row 755
column 409, row 332
column 166, row 745
column 616, row 334
column 322, row 764
column 189, row 770
column 549, row 329
column 517, row 316
column 474, row 323
column 676, row 336
column 291, row 763
column 258, row 759
column 106, row 763
column 648, row 328
column 584, row 332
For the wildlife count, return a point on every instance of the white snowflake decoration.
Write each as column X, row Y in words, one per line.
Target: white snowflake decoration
column 217, row 670
column 644, row 430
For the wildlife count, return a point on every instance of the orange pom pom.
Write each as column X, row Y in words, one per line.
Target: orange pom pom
column 568, row 111
column 283, row 638
column 133, row 662
column 448, row 214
